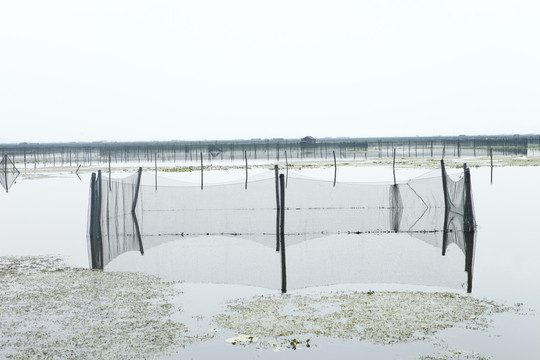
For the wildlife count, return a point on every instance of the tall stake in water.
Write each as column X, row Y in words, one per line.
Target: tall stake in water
column 446, row 207
column 245, row 156
column 109, row 170
column 282, row 235
column 278, row 207
column 335, row 168
column 394, row 166
column 201, row 171
column 491, row 156
column 286, row 170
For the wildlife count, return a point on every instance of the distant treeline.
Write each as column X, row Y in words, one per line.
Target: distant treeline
column 270, row 150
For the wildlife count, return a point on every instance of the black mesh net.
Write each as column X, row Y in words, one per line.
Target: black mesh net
column 113, row 218
column 334, row 232
column 8, row 173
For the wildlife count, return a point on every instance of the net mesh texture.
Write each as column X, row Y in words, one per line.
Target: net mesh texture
column 334, row 233
column 8, row 173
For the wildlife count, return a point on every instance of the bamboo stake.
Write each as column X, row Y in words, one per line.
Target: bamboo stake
column 286, row 170
column 245, row 156
column 282, row 236
column 335, row 168
column 394, row 166
column 110, row 171
column 491, row 156
column 202, row 182
column 278, row 207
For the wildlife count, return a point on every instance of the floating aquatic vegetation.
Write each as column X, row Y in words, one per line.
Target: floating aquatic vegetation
column 48, row 310
column 14, row 265
column 455, row 355
column 376, row 317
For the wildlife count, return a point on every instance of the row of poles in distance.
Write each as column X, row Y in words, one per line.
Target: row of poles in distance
column 287, row 168
column 246, row 167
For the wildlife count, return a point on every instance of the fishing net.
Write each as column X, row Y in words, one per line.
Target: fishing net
column 334, row 232
column 113, row 219
column 8, row 173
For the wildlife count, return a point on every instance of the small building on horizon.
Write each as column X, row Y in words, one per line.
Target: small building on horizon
column 308, row 140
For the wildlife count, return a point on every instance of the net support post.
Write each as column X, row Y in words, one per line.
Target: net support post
column 134, row 214
column 444, row 185
column 446, row 208
column 96, row 245
column 394, row 166
column 468, row 211
column 282, row 235
column 335, row 168
column 98, row 222
column 278, row 207
column 110, row 171
column 137, row 187
column 468, row 228
column 396, row 208
column 286, row 169
column 245, row 156
column 491, row 158
column 202, row 178
column 91, row 231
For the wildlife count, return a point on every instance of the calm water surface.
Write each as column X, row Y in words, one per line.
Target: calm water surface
column 49, row 215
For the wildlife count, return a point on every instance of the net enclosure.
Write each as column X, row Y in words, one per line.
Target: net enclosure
column 240, row 232
column 8, row 172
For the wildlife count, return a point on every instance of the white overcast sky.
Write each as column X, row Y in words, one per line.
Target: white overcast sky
column 191, row 70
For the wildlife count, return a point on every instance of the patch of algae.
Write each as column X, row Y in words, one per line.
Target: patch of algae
column 375, row 317
column 48, row 310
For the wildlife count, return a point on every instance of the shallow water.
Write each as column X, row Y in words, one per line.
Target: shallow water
column 48, row 216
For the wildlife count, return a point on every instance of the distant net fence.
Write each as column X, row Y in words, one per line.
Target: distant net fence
column 290, row 214
column 271, row 150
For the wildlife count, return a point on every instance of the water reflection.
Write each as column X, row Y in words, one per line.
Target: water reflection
column 434, row 258
column 403, row 229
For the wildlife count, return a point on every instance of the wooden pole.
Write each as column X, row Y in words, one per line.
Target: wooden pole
column 286, row 170
column 394, row 166
column 92, row 221
column 134, row 214
column 98, row 222
column 491, row 156
column 446, row 208
column 278, row 207
column 445, row 186
column 245, row 156
column 155, row 166
column 335, row 168
column 136, row 195
column 468, row 211
column 202, row 182
column 110, row 171
column 282, row 236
